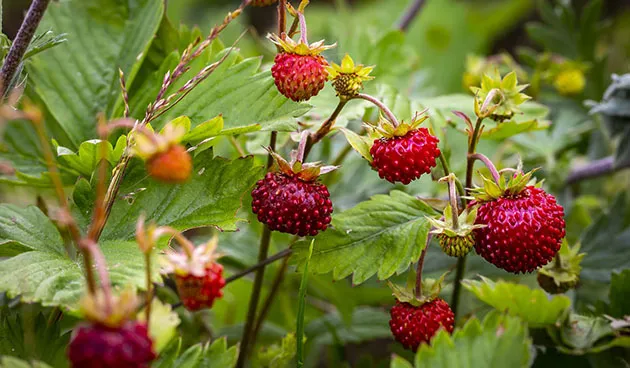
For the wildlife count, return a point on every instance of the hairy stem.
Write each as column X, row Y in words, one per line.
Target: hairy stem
column 452, row 194
column 419, row 268
column 303, row 30
column 21, row 42
column 461, row 261
column 493, row 169
column 447, row 172
column 282, row 254
column 266, row 306
column 390, row 115
column 410, row 14
column 325, row 128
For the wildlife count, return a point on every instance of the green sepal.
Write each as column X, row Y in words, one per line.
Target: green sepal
column 562, row 273
column 492, row 190
column 386, row 128
column 466, row 222
column 430, row 290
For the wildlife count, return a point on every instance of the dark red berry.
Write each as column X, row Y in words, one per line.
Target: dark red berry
column 198, row 292
column 413, row 326
column 299, row 77
column 523, row 232
column 291, row 205
column 99, row 346
column 405, row 158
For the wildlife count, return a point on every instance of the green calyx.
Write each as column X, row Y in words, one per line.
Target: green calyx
column 456, row 238
column 430, row 290
column 511, row 187
column 309, row 171
column 499, row 98
column 563, row 273
column 387, row 129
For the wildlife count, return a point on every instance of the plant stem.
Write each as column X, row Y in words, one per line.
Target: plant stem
column 410, row 14
column 419, row 268
column 452, row 194
column 390, row 115
column 282, row 17
column 493, row 170
column 325, row 128
column 275, row 287
column 447, row 172
column 149, row 297
column 597, row 168
column 303, row 30
column 68, row 220
column 21, row 42
column 461, row 261
column 265, row 240
column 282, row 254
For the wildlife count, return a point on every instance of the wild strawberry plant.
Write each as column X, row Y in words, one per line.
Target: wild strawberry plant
column 155, row 174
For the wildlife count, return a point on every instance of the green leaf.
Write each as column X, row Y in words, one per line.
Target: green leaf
column 205, row 130
column 398, row 362
column 366, row 324
column 299, row 334
column 211, row 198
column 532, row 305
column 247, row 99
column 88, row 156
column 27, row 229
column 500, row 341
column 618, row 296
column 79, row 79
column 360, row 144
column 279, row 356
column 383, row 235
column 581, row 333
column 163, row 323
column 200, row 355
column 11, row 362
column 41, row 271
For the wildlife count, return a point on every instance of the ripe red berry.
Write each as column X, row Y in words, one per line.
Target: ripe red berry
column 263, row 2
column 99, row 346
column 198, row 292
column 171, row 166
column 299, row 77
column 413, row 326
column 407, row 157
column 291, row 205
column 523, row 232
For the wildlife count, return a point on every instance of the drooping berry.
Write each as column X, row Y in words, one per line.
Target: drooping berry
column 100, row 346
column 415, row 325
column 292, row 205
column 263, row 2
column 198, row 275
column 299, row 77
column 171, row 166
column 405, row 158
column 524, row 229
column 198, row 292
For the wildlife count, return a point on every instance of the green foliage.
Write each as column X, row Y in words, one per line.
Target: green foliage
column 11, row 362
column 215, row 355
column 79, row 79
column 299, row 334
column 383, row 235
column 86, row 159
column 619, row 289
column 531, row 305
column 211, row 198
column 162, row 325
column 279, row 356
column 500, row 341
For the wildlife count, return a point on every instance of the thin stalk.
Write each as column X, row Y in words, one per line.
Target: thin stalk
column 282, row 254
column 390, row 115
column 149, row 296
column 20, row 44
column 303, row 30
column 410, row 14
column 452, row 194
column 282, row 17
column 266, row 306
column 68, row 220
column 493, row 170
column 263, row 251
column 447, row 172
column 325, row 128
column 419, row 268
column 461, row 261
column 101, row 267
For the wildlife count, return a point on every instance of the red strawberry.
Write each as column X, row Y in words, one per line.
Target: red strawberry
column 198, row 292
column 291, row 205
column 99, row 346
column 299, row 77
column 299, row 70
column 405, row 158
column 415, row 325
column 263, row 2
column 171, row 166
column 524, row 227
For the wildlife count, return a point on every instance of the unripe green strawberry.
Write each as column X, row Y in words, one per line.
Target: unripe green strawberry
column 456, row 246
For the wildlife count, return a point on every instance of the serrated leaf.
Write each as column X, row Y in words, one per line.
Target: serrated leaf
column 205, row 130
column 511, row 128
column 532, row 305
column 200, row 355
column 86, row 159
column 211, row 198
column 500, row 341
column 279, row 355
column 79, row 79
column 41, row 271
column 247, row 98
column 381, row 236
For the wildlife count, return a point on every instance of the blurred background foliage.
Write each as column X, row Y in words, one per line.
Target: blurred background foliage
column 426, row 67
